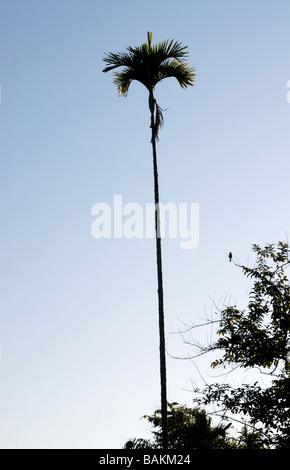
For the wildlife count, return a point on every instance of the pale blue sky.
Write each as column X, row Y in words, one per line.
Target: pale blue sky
column 79, row 328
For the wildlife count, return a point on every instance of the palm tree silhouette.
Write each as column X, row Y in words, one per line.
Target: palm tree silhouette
column 150, row 64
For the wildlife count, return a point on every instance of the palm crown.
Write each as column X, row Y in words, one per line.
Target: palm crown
column 150, row 64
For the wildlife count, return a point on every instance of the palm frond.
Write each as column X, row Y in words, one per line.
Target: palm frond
column 181, row 71
column 120, row 59
column 149, row 37
column 123, row 81
column 170, row 50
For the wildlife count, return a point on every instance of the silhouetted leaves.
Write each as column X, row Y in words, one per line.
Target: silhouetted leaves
column 257, row 337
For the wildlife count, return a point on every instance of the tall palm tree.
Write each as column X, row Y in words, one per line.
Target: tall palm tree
column 150, row 64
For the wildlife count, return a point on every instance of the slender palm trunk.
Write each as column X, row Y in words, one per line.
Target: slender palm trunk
column 160, row 291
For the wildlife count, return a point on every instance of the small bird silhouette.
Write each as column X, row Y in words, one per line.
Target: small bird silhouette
column 230, row 256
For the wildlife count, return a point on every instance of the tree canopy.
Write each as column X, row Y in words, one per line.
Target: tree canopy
column 187, row 429
column 258, row 337
column 194, row 429
column 150, row 64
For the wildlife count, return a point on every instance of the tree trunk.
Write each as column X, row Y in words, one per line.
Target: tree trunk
column 160, row 290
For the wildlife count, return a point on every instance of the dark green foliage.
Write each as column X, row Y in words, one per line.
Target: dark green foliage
column 187, row 429
column 138, row 444
column 250, row 440
column 257, row 337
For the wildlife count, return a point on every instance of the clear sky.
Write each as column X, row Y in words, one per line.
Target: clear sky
column 79, row 327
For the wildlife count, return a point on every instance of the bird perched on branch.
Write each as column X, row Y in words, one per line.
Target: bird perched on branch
column 230, row 256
